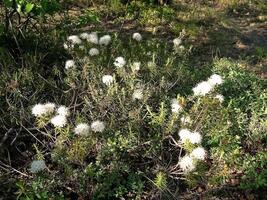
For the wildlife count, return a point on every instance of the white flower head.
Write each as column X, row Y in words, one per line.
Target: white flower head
column 195, row 138
column 176, row 107
column 184, row 135
column 192, row 137
column 38, row 110
column 84, row 36
column 98, row 126
column 74, row 39
column 181, row 48
column 43, row 109
column 59, row 121
column 107, row 79
column 177, row 42
column 67, row 46
column 105, row 40
column 215, row 79
column 119, row 62
column 82, row 129
column 136, row 66
column 94, row 52
column 137, row 37
column 187, row 164
column 63, row 111
column 37, row 166
column 202, row 88
column 138, row 94
column 70, row 64
column 198, row 153
column 49, row 107
column 219, row 97
column 92, row 38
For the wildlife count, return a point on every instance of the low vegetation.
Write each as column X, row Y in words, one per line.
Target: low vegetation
column 132, row 100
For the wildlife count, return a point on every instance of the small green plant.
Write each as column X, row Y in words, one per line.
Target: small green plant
column 88, row 17
column 161, row 181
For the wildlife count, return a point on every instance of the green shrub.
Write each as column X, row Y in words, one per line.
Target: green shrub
column 240, row 146
column 136, row 140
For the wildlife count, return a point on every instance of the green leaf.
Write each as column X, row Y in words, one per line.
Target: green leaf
column 8, row 3
column 29, row 7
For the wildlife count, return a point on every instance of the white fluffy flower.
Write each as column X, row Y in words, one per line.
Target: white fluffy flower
column 187, row 164
column 136, row 66
column 63, row 111
column 105, row 40
column 181, row 48
column 98, row 126
column 59, row 121
column 119, row 62
column 199, row 153
column 176, row 107
column 202, row 88
column 137, row 37
column 70, row 64
column 82, row 129
column 177, row 42
column 107, row 79
column 92, row 38
column 66, row 46
column 184, row 135
column 93, row 52
column 138, row 94
column 84, row 36
column 38, row 110
column 215, row 79
column 192, row 137
column 195, row 138
column 74, row 39
column 37, row 166
column 49, row 107
column 185, row 120
column 43, row 109
column 219, row 97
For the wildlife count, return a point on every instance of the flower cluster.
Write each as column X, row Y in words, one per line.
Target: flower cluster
column 37, row 166
column 107, row 79
column 189, row 161
column 119, row 62
column 59, row 120
column 82, row 41
column 83, row 129
column 137, row 37
column 177, row 42
column 40, row 110
column 176, row 107
column 138, row 93
column 192, row 137
column 70, row 64
column 205, row 87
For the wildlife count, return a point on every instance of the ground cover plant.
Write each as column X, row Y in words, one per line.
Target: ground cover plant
column 126, row 100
